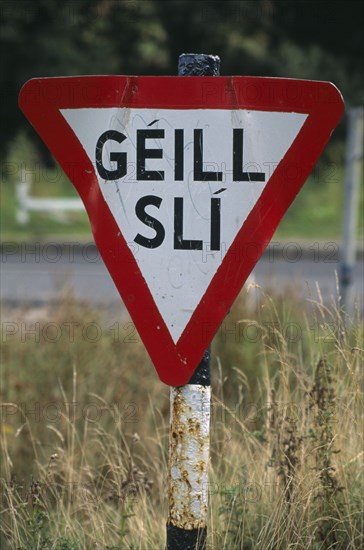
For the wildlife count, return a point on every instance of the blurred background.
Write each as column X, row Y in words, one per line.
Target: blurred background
column 302, row 39
column 58, row 348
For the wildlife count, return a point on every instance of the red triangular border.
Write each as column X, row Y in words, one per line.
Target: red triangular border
column 41, row 100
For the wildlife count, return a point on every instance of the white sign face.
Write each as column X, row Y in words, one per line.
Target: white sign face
column 180, row 184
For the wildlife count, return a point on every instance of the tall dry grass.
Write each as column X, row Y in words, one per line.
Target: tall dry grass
column 85, row 430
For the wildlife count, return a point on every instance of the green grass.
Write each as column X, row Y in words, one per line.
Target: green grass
column 42, row 226
column 45, row 182
column 85, row 431
column 316, row 212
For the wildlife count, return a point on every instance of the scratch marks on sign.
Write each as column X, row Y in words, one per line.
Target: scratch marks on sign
column 121, row 202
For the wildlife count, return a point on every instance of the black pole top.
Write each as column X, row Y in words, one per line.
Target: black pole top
column 198, row 64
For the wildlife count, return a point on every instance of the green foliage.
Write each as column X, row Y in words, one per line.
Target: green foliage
column 275, row 38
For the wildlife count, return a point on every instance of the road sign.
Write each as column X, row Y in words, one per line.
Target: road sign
column 184, row 181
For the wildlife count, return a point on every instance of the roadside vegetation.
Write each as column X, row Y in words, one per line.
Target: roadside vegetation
column 85, row 430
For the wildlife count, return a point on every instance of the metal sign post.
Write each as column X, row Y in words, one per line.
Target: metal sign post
column 189, row 434
column 189, row 449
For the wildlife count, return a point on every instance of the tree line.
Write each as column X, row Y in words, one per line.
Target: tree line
column 303, row 39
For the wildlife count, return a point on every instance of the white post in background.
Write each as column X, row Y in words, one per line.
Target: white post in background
column 55, row 207
column 22, row 193
column 353, row 173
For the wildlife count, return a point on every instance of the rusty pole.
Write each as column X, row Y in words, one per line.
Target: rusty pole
column 189, row 435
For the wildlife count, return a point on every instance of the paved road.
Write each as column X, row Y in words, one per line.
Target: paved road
column 37, row 273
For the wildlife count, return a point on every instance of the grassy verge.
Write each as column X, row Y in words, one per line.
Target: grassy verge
column 24, row 164
column 85, row 431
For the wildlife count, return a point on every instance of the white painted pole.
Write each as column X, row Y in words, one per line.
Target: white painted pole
column 353, row 174
column 22, row 192
column 188, row 462
column 189, row 456
column 189, row 436
column 27, row 203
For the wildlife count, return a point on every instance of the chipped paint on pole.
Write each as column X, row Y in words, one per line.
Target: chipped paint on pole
column 189, row 439
column 189, row 456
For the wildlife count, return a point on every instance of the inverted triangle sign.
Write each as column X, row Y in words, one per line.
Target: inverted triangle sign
column 184, row 181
